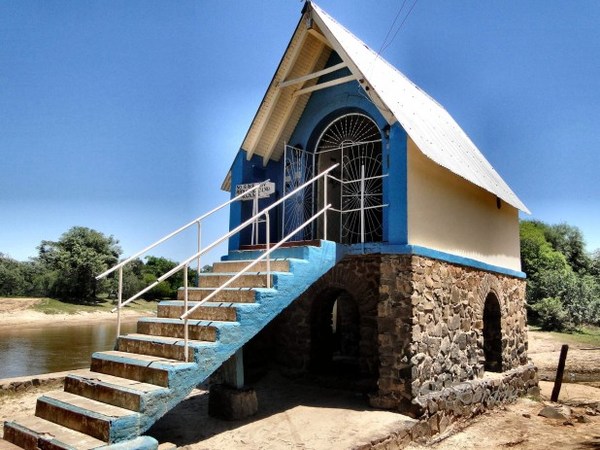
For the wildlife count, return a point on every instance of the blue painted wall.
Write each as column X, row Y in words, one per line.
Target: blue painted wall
column 252, row 171
column 322, row 108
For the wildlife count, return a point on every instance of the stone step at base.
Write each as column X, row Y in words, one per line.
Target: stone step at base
column 165, row 347
column 34, row 433
column 197, row 330
column 208, row 311
column 147, row 369
column 121, row 392
column 233, row 295
column 82, row 414
column 277, row 265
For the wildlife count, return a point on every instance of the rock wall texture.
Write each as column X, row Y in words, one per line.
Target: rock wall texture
column 304, row 339
column 440, row 307
column 416, row 325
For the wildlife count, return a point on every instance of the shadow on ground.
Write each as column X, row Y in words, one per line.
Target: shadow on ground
column 189, row 422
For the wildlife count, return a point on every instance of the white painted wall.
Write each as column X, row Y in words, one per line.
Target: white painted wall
column 449, row 214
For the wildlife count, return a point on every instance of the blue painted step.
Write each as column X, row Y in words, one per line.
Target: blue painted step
column 130, row 388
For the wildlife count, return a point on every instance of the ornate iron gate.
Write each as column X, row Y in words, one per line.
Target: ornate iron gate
column 356, row 140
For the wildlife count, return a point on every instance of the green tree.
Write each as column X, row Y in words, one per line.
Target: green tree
column 155, row 267
column 569, row 241
column 552, row 316
column 544, row 266
column 559, row 270
column 75, row 259
column 595, row 264
column 11, row 276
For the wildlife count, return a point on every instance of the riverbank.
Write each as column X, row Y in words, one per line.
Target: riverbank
column 21, row 312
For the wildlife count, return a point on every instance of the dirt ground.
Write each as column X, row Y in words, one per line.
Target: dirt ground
column 297, row 415
column 18, row 312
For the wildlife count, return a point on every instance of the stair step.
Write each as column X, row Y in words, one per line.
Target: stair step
column 199, row 330
column 285, row 245
column 34, row 433
column 5, row 445
column 248, row 253
column 247, row 280
column 222, row 312
column 144, row 368
column 121, row 392
column 277, row 265
column 82, row 414
column 235, row 295
column 163, row 346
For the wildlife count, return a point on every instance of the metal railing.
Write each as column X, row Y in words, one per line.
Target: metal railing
column 362, row 195
column 198, row 222
column 201, row 251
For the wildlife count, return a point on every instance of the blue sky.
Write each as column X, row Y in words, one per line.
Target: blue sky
column 124, row 116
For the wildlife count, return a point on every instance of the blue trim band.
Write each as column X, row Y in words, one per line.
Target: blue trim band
column 377, row 247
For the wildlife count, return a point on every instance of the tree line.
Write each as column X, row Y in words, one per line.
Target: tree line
column 563, row 280
column 66, row 269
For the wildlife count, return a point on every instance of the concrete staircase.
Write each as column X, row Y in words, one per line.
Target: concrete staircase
column 128, row 389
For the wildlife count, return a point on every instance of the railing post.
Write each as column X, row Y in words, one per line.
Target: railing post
column 362, row 206
column 199, row 250
column 119, row 301
column 325, row 203
column 268, row 237
column 185, row 308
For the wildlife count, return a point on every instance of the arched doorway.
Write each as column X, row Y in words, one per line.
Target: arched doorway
column 335, row 334
column 354, row 141
column 492, row 334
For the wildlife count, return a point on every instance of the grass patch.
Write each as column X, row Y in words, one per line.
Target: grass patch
column 54, row 306
column 584, row 335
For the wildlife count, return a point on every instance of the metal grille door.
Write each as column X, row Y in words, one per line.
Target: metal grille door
column 355, row 140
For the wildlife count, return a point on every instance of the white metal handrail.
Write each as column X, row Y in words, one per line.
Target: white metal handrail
column 197, row 221
column 185, row 264
column 265, row 255
column 179, row 230
column 222, row 239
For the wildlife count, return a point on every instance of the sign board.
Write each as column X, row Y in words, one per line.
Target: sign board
column 266, row 190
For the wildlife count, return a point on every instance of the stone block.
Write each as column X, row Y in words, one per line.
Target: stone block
column 226, row 402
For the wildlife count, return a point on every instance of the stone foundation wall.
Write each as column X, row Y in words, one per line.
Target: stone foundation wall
column 447, row 333
column 296, row 326
column 439, row 306
column 438, row 409
column 420, row 321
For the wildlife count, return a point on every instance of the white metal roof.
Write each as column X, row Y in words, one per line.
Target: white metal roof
column 428, row 124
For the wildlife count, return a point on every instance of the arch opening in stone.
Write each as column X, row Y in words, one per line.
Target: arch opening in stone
column 492, row 334
column 335, row 334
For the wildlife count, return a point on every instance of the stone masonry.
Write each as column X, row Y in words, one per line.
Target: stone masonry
column 420, row 325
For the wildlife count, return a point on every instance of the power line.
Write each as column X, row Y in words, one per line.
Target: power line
column 400, row 27
column 391, row 27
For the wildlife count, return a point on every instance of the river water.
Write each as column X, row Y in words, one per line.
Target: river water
column 33, row 351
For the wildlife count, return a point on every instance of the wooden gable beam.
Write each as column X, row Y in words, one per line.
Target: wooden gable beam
column 285, row 120
column 318, row 87
column 293, row 58
column 335, row 45
column 319, row 36
column 310, row 76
